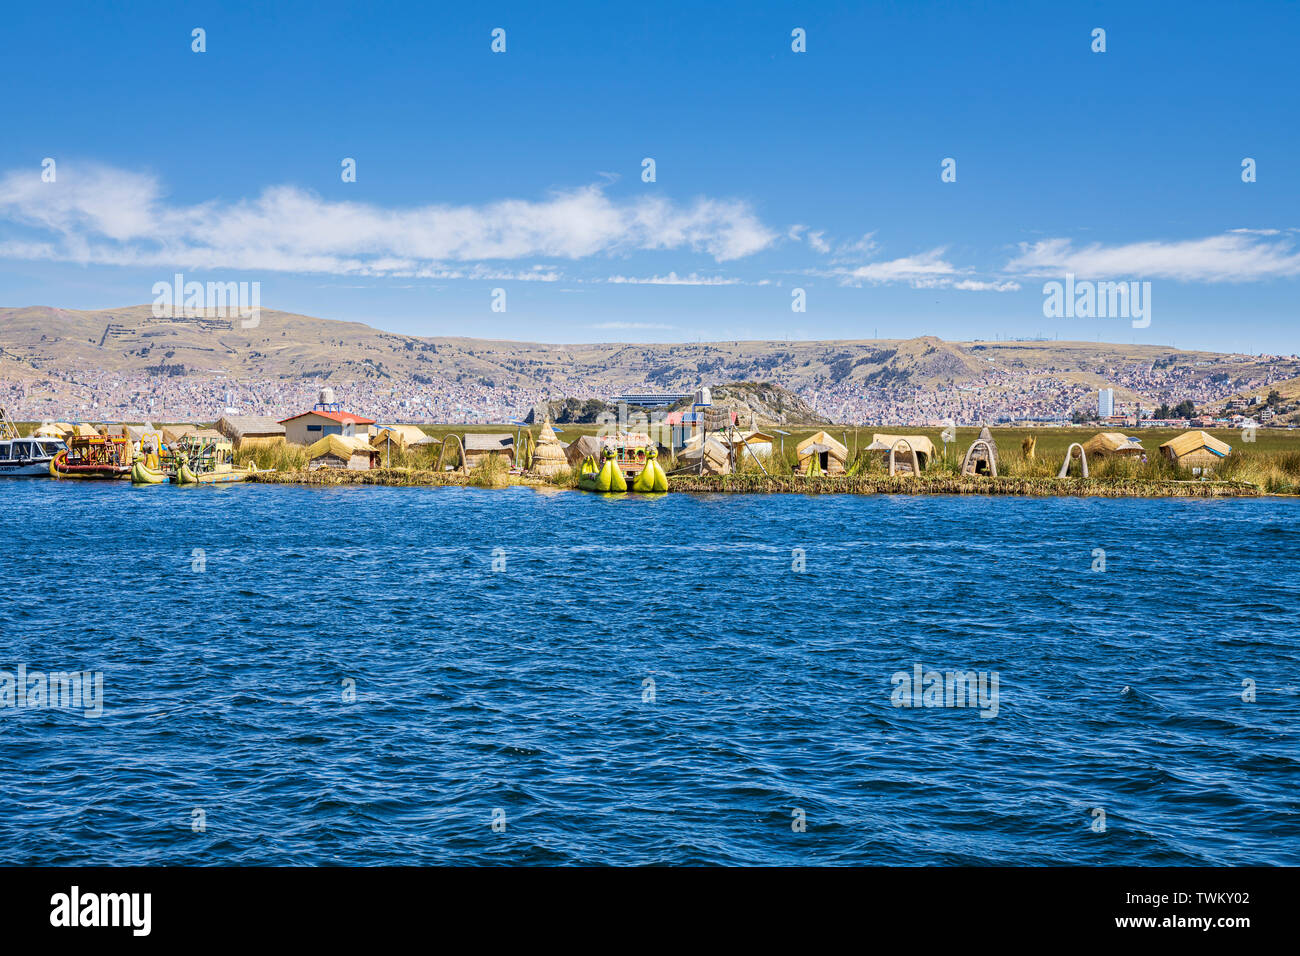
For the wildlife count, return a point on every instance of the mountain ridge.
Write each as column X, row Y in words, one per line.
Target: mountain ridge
column 52, row 349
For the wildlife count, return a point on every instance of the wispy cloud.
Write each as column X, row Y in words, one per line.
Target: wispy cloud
column 926, row 270
column 104, row 215
column 673, row 279
column 1241, row 255
column 623, row 326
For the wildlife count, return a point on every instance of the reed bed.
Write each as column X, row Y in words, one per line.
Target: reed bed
column 867, row 483
column 389, row 476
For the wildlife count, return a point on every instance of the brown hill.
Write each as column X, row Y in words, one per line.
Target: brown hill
column 45, row 343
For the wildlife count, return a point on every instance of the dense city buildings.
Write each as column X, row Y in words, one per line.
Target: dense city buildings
column 1001, row 395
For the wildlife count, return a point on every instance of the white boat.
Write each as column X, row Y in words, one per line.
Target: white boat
column 28, row 457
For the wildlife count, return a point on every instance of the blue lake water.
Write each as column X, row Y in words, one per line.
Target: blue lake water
column 646, row 680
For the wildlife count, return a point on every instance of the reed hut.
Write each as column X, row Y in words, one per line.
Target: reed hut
column 716, row 457
column 400, row 437
column 251, row 431
column 904, row 447
column 1195, row 450
column 480, row 445
column 830, row 456
column 351, row 452
column 174, row 433
column 548, row 457
column 755, row 444
column 580, row 448
column 982, row 456
column 1113, row 445
column 53, row 430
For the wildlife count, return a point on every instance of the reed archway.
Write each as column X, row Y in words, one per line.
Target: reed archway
column 1069, row 454
column 916, row 462
column 970, row 463
column 460, row 447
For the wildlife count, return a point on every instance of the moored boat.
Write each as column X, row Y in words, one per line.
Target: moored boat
column 143, row 473
column 652, row 477
column 93, row 456
column 606, row 478
column 624, row 464
column 28, row 457
column 209, row 462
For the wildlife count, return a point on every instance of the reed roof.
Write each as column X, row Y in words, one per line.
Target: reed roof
column 824, row 442
column 918, row 443
column 1191, row 441
column 340, row 446
column 482, row 441
column 237, row 427
column 1112, row 443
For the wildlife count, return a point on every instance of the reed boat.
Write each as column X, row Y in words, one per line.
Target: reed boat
column 605, row 478
column 608, row 477
column 28, row 457
column 209, row 461
column 651, row 478
column 143, row 473
column 94, row 456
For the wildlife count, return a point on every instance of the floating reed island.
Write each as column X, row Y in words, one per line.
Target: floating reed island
column 328, row 446
column 822, row 464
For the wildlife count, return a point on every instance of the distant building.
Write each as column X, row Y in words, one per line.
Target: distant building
column 647, row 399
column 1105, row 403
column 310, row 427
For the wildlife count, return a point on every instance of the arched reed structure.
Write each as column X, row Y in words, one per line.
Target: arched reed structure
column 1069, row 453
column 446, row 443
column 916, row 462
column 981, row 459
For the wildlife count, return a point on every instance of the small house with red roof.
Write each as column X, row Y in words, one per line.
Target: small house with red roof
column 310, row 427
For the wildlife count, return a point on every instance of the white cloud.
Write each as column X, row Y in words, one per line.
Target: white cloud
column 817, row 241
column 926, row 270
column 1236, row 256
column 102, row 215
column 924, row 266
column 673, row 279
column 631, row 325
column 849, row 251
column 977, row 285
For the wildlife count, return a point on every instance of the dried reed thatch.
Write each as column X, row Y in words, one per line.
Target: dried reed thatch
column 548, row 456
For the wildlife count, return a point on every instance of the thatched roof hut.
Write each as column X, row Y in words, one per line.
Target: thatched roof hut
column 1113, row 445
column 480, row 445
column 580, row 448
column 401, row 436
column 829, row 454
column 53, row 430
column 342, row 451
column 716, row 457
column 982, row 455
column 548, row 457
column 250, row 431
column 1195, row 449
column 903, row 447
column 174, row 433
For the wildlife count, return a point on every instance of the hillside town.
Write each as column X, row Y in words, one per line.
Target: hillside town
column 1001, row 396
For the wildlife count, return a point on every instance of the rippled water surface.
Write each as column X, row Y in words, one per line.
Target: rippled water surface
column 646, row 680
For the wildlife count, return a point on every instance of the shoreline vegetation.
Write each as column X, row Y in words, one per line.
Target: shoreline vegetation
column 1268, row 466
column 1240, row 475
column 748, row 483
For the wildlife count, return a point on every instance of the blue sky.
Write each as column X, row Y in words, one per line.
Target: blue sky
column 775, row 170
